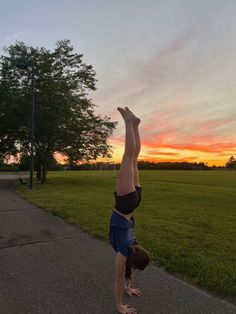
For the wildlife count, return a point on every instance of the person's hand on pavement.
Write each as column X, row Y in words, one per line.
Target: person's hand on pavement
column 134, row 291
column 126, row 309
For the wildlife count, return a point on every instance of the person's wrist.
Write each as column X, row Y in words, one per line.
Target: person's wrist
column 118, row 306
column 128, row 285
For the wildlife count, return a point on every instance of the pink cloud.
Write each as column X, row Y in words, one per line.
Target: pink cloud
column 168, row 116
column 166, row 52
column 117, row 140
column 143, row 77
column 172, row 130
column 215, row 123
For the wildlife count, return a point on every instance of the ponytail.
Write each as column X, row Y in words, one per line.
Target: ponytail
column 137, row 257
column 129, row 264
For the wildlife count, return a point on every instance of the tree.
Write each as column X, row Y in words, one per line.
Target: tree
column 65, row 121
column 231, row 164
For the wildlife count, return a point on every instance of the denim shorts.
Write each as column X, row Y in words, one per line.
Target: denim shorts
column 128, row 202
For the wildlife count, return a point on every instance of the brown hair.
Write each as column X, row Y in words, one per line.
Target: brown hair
column 138, row 257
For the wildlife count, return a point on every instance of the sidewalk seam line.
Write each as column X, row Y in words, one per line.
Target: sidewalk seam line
column 40, row 241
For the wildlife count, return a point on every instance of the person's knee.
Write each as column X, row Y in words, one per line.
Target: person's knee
column 129, row 157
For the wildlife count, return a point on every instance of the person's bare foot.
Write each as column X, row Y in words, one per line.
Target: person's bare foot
column 136, row 120
column 125, row 114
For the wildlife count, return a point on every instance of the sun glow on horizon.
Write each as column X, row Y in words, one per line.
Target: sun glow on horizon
column 165, row 155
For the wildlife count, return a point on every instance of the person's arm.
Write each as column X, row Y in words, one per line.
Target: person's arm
column 119, row 278
column 119, row 281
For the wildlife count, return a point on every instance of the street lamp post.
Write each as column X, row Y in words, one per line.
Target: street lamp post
column 25, row 65
column 31, row 186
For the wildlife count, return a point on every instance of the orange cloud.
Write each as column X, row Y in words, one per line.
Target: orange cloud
column 154, row 152
column 156, row 159
column 232, row 152
column 210, row 148
column 175, row 140
column 171, row 129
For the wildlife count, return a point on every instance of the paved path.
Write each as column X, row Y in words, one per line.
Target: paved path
column 48, row 266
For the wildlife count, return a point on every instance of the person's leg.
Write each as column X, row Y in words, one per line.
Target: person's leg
column 136, row 153
column 136, row 122
column 125, row 180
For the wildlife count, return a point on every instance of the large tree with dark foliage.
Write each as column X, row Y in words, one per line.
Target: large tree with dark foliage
column 65, row 120
column 231, row 164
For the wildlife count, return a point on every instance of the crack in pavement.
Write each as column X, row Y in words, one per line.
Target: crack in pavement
column 39, row 241
column 19, row 209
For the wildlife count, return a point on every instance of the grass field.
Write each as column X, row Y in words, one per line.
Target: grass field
column 187, row 219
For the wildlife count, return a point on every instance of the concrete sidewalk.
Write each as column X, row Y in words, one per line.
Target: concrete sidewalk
column 48, row 266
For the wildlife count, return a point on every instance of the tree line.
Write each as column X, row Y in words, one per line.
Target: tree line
column 142, row 165
column 147, row 165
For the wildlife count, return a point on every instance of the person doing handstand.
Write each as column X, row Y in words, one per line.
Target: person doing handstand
column 128, row 191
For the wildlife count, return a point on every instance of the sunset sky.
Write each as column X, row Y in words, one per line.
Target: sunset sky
column 172, row 62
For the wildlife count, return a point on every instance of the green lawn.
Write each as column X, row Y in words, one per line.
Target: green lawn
column 187, row 219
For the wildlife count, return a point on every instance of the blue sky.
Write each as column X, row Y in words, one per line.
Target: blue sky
column 173, row 62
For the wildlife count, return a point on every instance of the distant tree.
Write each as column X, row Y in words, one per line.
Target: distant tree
column 65, row 121
column 231, row 164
